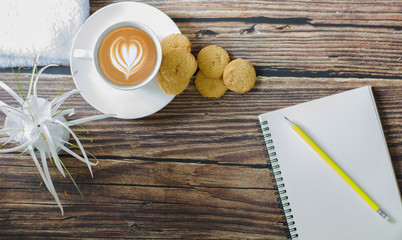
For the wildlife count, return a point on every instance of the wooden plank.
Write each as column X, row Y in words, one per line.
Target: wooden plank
column 197, row 169
column 149, row 186
column 297, row 38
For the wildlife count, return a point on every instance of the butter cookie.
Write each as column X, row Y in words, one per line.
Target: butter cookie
column 239, row 76
column 175, row 40
column 178, row 65
column 168, row 87
column 209, row 87
column 212, row 60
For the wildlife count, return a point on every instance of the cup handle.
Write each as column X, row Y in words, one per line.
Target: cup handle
column 82, row 53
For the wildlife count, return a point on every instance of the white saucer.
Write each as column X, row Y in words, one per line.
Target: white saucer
column 125, row 104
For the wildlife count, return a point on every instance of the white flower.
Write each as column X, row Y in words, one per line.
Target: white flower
column 41, row 129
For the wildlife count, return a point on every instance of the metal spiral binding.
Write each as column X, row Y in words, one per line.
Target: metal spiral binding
column 279, row 181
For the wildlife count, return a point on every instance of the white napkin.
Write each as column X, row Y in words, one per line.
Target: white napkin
column 44, row 27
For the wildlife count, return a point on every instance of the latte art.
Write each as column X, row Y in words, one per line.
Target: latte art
column 126, row 56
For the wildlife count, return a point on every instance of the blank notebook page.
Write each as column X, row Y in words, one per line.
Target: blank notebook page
column 346, row 126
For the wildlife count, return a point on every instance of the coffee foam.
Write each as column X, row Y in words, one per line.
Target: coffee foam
column 126, row 56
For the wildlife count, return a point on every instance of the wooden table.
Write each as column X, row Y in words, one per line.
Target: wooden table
column 197, row 169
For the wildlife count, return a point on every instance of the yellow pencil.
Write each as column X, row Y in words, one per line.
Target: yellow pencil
column 337, row 169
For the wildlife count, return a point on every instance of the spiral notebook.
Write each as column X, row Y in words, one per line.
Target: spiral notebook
column 317, row 203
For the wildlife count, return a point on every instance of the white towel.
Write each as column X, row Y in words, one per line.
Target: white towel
column 44, row 27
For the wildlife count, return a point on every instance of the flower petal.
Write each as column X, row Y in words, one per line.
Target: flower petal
column 87, row 119
column 77, row 156
column 23, row 146
column 8, row 110
column 78, row 143
column 52, row 149
column 33, row 75
column 39, row 74
column 49, row 184
column 57, row 101
column 11, row 92
column 46, row 177
column 68, row 112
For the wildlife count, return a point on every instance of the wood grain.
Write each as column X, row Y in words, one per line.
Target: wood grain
column 197, row 168
column 297, row 38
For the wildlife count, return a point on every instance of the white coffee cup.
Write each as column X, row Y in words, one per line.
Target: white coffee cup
column 91, row 54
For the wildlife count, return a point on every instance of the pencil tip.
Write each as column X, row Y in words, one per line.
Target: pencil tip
column 289, row 121
column 382, row 214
